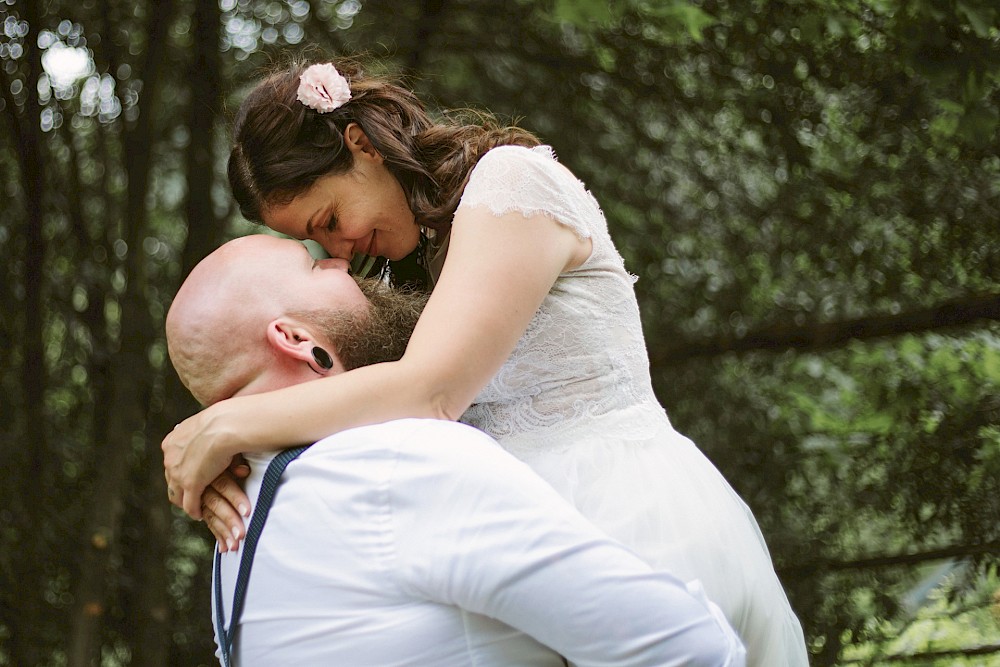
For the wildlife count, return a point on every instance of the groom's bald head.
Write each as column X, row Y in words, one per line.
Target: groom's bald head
column 248, row 317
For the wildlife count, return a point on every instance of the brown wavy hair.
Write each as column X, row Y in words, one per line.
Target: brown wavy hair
column 281, row 147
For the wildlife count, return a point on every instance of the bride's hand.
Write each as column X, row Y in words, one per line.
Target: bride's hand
column 195, row 453
column 224, row 504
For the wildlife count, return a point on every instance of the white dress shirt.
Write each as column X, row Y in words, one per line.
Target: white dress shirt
column 421, row 542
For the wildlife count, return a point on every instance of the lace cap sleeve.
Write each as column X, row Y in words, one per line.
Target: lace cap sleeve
column 530, row 181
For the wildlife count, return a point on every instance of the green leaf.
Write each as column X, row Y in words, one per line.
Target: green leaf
column 951, row 106
column 696, row 21
column 584, row 13
column 978, row 125
column 981, row 19
column 605, row 58
column 682, row 15
column 834, row 27
column 989, row 365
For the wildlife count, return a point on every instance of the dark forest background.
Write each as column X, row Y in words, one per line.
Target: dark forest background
column 809, row 191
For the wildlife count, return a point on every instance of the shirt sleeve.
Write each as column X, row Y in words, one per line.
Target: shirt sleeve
column 477, row 529
column 530, row 181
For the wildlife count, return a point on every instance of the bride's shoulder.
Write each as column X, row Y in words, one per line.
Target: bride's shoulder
column 540, row 155
column 521, row 163
column 531, row 180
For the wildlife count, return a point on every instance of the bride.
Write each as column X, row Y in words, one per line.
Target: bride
column 532, row 331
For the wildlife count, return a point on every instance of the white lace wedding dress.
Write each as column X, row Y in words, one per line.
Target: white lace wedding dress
column 575, row 402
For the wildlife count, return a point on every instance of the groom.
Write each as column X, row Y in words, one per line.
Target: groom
column 413, row 542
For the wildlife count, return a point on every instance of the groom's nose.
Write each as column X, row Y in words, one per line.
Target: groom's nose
column 334, row 263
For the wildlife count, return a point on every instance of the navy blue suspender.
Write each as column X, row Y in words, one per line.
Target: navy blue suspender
column 267, row 488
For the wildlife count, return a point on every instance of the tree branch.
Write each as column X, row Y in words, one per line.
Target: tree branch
column 825, row 335
column 812, row 567
column 925, row 656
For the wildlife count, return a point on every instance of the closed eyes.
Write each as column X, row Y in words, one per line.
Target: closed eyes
column 329, row 226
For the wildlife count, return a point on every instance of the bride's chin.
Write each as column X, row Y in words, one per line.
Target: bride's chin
column 402, row 250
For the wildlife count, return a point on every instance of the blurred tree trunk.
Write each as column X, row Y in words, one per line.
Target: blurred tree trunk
column 33, row 449
column 152, row 613
column 131, row 379
column 204, row 228
column 428, row 23
column 153, row 640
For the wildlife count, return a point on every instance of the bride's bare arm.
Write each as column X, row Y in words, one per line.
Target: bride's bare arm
column 498, row 271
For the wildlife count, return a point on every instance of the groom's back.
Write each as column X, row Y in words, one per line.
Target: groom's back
column 337, row 578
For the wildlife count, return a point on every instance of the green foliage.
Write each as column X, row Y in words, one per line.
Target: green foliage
column 582, row 14
column 763, row 166
column 671, row 19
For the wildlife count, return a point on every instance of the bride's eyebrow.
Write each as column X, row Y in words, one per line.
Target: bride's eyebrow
column 309, row 223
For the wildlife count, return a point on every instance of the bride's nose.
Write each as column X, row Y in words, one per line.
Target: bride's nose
column 342, row 249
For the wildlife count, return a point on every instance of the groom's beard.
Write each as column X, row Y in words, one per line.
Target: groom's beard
column 381, row 334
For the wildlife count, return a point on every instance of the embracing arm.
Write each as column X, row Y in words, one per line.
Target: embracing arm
column 498, row 271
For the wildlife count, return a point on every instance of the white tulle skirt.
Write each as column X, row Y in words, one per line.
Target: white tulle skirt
column 652, row 489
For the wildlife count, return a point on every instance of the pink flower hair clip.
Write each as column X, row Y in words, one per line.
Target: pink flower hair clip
column 323, row 88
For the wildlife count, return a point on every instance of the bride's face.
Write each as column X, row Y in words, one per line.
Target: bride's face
column 362, row 211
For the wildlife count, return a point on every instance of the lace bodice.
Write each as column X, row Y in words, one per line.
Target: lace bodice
column 583, row 355
column 574, row 401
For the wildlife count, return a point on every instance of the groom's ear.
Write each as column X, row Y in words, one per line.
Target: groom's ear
column 295, row 341
column 290, row 339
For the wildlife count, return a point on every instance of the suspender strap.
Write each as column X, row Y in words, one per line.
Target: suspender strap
column 267, row 488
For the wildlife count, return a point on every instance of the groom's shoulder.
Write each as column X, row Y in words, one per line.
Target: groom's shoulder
column 411, row 432
column 417, row 431
column 408, row 450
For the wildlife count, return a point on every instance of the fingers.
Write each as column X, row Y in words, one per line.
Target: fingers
column 182, row 465
column 174, row 494
column 239, row 467
column 190, row 502
column 219, row 505
column 233, row 494
column 222, row 519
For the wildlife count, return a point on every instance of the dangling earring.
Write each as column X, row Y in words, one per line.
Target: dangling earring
column 411, row 270
column 422, row 245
